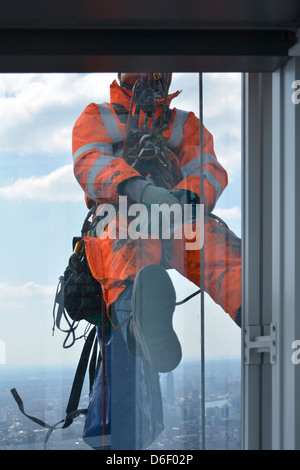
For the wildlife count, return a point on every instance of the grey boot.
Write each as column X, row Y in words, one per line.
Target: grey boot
column 153, row 304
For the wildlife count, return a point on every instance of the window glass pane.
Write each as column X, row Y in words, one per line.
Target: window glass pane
column 43, row 208
column 222, row 116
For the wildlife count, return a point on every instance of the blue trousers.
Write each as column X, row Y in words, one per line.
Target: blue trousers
column 133, row 412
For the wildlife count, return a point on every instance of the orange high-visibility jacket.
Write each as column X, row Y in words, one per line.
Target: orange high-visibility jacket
column 99, row 169
column 98, row 137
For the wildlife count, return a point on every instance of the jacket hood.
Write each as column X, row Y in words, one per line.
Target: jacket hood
column 123, row 96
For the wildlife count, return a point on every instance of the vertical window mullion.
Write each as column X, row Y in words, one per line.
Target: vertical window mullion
column 251, row 235
column 202, row 261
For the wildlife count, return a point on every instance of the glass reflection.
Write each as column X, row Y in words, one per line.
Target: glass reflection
column 157, row 201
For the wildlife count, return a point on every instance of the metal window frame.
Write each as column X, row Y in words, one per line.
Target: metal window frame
column 271, row 229
column 270, row 172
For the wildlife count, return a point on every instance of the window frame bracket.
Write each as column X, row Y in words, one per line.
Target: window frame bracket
column 259, row 340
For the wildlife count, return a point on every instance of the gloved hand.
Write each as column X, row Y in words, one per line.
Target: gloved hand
column 155, row 195
column 159, row 226
column 185, row 196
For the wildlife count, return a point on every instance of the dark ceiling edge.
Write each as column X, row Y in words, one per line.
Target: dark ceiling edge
column 92, row 49
column 113, row 64
column 143, row 24
column 163, row 23
column 146, row 42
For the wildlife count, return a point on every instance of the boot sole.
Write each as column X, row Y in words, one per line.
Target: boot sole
column 153, row 305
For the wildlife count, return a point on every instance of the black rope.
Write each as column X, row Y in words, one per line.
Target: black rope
column 59, row 313
column 72, row 410
column 188, row 298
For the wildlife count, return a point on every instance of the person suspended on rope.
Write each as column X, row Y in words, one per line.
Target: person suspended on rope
column 137, row 147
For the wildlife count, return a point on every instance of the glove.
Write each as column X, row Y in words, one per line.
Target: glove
column 154, row 195
column 133, row 188
column 185, row 196
column 160, row 228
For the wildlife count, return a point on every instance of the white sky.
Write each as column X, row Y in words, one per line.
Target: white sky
column 42, row 206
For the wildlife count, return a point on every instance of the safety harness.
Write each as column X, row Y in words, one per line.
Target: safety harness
column 147, row 145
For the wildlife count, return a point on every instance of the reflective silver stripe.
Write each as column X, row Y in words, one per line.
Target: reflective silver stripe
column 193, row 167
column 208, row 157
column 110, row 123
column 212, row 180
column 101, row 146
column 177, row 131
column 93, row 172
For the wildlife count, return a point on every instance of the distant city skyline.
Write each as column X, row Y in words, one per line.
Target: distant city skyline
column 45, row 392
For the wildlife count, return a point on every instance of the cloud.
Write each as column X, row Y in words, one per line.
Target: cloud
column 59, row 185
column 28, row 94
column 28, row 290
column 29, row 298
column 221, row 112
column 38, row 111
column 232, row 213
column 221, row 93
